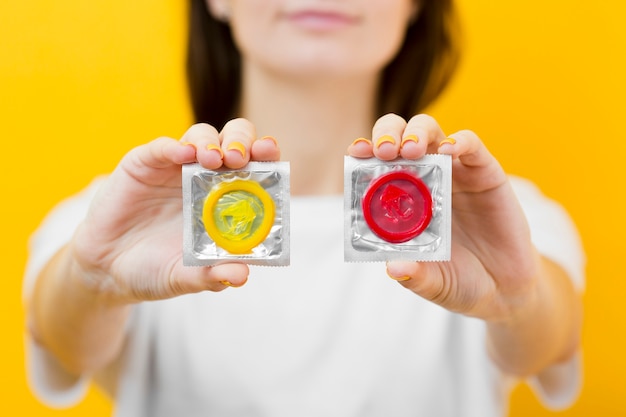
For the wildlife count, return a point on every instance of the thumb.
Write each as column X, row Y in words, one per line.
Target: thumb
column 426, row 279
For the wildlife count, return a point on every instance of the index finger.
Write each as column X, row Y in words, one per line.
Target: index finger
column 237, row 137
column 422, row 135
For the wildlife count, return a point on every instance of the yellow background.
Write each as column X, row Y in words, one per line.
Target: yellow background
column 542, row 82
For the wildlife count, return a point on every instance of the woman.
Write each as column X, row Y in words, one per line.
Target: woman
column 110, row 299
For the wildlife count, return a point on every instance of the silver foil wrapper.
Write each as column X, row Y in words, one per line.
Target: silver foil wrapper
column 239, row 210
column 367, row 241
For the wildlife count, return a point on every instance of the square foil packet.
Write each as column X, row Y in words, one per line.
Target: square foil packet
column 237, row 215
column 397, row 210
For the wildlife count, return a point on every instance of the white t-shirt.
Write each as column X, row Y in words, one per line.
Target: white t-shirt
column 318, row 338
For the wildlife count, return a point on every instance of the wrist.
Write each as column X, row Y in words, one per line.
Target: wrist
column 93, row 281
column 522, row 296
column 542, row 328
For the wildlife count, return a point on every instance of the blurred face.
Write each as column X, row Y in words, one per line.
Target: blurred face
column 316, row 37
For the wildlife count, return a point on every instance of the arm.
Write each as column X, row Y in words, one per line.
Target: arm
column 72, row 320
column 545, row 331
column 495, row 273
column 129, row 248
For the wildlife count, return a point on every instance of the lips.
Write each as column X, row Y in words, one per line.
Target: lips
column 320, row 21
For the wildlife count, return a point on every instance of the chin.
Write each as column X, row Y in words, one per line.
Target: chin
column 325, row 66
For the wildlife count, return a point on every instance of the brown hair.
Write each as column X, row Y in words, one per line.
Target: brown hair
column 425, row 62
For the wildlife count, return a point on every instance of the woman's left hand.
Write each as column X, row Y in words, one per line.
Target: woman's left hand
column 494, row 267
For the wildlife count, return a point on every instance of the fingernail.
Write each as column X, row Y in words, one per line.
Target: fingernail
column 399, row 279
column 359, row 140
column 385, row 139
column 409, row 138
column 229, row 284
column 450, row 141
column 212, row 147
column 272, row 138
column 187, row 144
column 237, row 146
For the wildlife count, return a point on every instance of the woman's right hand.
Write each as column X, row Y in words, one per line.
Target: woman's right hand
column 129, row 247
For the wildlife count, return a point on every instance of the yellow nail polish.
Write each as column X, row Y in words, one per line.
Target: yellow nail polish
column 228, row 284
column 385, row 139
column 409, row 138
column 450, row 141
column 272, row 138
column 187, row 143
column 359, row 140
column 399, row 279
column 237, row 146
column 212, row 147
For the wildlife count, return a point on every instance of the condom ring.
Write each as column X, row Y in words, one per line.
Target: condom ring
column 397, row 206
column 238, row 215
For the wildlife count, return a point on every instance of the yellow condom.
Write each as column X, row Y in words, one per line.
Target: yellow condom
column 238, row 215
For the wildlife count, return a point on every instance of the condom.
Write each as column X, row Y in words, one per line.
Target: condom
column 397, row 206
column 397, row 210
column 236, row 215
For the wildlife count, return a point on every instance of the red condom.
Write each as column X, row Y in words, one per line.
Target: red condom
column 397, row 206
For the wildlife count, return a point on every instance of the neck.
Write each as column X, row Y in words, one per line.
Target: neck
column 314, row 121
